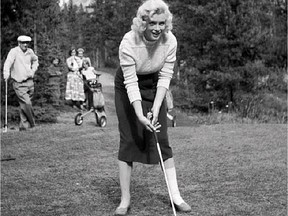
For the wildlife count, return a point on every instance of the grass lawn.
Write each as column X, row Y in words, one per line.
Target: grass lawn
column 67, row 170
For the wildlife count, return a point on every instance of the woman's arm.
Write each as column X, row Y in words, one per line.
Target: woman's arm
column 72, row 63
column 160, row 95
column 69, row 63
column 128, row 65
column 165, row 77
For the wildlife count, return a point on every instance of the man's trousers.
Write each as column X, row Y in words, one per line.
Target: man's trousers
column 24, row 91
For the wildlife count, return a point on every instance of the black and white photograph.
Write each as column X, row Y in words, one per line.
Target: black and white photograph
column 143, row 108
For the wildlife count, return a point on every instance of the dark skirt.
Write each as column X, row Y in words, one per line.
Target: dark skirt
column 137, row 144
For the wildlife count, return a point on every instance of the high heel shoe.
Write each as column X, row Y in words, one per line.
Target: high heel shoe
column 121, row 211
column 183, row 207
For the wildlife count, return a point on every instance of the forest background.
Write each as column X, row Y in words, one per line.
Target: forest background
column 232, row 55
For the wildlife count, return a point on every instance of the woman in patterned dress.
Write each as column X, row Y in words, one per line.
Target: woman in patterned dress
column 74, row 86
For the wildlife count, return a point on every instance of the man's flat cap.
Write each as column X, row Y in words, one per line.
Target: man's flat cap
column 24, row 38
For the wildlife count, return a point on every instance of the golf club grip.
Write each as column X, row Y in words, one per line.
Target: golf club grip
column 6, row 104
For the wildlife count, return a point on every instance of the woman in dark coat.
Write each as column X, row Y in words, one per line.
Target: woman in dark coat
column 147, row 55
column 54, row 71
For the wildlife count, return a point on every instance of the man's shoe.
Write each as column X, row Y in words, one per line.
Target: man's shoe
column 121, row 211
column 33, row 128
column 183, row 207
column 22, row 129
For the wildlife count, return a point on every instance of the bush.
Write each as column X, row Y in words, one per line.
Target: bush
column 265, row 108
column 219, row 118
column 46, row 114
column 256, row 92
column 12, row 114
column 277, row 80
column 112, row 63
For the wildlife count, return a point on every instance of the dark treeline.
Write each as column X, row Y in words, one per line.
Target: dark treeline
column 229, row 52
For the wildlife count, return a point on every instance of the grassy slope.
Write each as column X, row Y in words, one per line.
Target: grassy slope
column 63, row 169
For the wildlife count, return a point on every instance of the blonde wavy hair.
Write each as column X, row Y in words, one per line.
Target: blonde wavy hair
column 147, row 10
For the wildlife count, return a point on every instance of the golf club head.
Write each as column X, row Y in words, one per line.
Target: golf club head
column 4, row 130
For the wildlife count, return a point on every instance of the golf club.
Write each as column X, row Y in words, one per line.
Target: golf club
column 6, row 104
column 165, row 175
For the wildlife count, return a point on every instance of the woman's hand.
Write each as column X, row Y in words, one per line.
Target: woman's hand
column 146, row 121
column 155, row 114
column 156, row 124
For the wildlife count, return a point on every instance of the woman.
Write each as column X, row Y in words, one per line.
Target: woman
column 147, row 55
column 54, row 71
column 74, row 86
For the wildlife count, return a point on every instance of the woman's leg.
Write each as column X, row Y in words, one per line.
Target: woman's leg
column 81, row 105
column 125, row 170
column 173, row 185
column 74, row 104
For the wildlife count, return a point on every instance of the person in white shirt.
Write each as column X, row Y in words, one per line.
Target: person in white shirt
column 89, row 72
column 147, row 55
column 21, row 64
column 92, row 77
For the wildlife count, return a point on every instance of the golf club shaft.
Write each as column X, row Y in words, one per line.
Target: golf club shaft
column 6, row 105
column 165, row 175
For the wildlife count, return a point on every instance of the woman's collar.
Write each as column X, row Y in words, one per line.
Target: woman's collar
column 149, row 42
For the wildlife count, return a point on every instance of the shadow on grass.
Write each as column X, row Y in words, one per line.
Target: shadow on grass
column 142, row 198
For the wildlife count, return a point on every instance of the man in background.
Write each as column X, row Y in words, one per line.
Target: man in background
column 21, row 64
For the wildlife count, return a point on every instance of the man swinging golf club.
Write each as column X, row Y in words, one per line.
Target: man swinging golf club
column 22, row 63
column 147, row 55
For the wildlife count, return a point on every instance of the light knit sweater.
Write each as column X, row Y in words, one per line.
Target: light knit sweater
column 90, row 73
column 139, row 56
column 22, row 65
